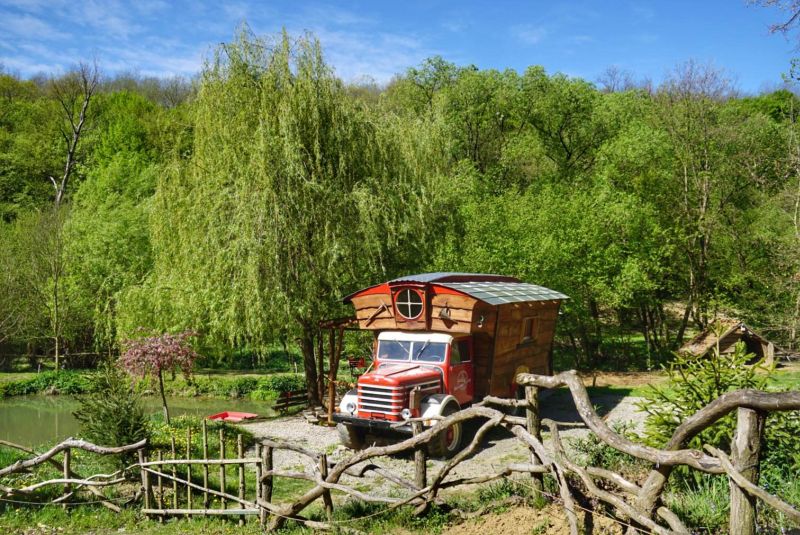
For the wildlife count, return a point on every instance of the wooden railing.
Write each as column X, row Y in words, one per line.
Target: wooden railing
column 183, row 485
column 72, row 482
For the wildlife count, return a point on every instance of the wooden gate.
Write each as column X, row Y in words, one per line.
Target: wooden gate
column 206, row 485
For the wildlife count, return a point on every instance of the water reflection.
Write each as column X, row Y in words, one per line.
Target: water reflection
column 33, row 420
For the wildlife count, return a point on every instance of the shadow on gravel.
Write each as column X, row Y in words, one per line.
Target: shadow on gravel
column 557, row 405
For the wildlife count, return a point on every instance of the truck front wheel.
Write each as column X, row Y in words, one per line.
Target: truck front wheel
column 350, row 437
column 447, row 443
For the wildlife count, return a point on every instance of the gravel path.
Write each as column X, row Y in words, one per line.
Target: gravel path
column 500, row 447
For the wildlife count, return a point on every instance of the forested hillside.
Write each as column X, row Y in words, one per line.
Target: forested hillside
column 245, row 203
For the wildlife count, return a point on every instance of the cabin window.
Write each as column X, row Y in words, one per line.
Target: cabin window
column 409, row 303
column 421, row 351
column 459, row 352
column 530, row 327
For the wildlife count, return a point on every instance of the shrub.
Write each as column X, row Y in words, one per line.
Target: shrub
column 705, row 503
column 60, row 382
column 594, row 452
column 161, row 434
column 112, row 414
column 693, row 383
column 274, row 385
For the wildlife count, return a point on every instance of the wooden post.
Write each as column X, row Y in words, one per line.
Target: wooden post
column 160, row 483
column 326, row 494
column 745, row 451
column 188, row 467
column 420, row 461
column 67, row 459
column 333, row 370
column 266, row 491
column 240, row 453
column 259, row 473
column 222, row 466
column 174, row 473
column 205, row 466
column 320, row 367
column 145, row 480
column 534, row 428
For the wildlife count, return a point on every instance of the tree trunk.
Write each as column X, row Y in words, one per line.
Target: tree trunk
column 309, row 364
column 745, row 450
column 163, row 397
column 684, row 323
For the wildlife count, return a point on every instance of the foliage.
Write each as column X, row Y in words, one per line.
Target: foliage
column 162, row 433
column 61, row 382
column 694, row 382
column 705, row 504
column 244, row 204
column 594, row 452
column 112, row 414
column 274, row 385
column 153, row 355
column 292, row 196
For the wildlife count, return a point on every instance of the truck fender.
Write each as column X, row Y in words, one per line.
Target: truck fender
column 350, row 397
column 434, row 405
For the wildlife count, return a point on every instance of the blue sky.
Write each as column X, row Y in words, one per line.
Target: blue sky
column 378, row 38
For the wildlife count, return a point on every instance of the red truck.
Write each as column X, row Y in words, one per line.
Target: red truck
column 443, row 341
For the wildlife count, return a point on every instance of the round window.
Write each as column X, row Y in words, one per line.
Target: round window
column 409, row 304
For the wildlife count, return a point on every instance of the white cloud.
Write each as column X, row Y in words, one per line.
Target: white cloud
column 529, row 34
column 580, row 39
column 27, row 26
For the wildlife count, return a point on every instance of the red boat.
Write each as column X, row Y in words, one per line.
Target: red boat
column 232, row 416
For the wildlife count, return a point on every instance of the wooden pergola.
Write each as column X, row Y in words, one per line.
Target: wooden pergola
column 336, row 328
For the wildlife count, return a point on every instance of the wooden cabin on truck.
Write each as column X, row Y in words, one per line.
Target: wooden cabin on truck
column 442, row 342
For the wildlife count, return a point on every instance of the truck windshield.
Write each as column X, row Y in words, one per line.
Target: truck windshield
column 419, row 351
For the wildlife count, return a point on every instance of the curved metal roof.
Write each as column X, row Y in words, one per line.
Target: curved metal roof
column 491, row 289
column 500, row 293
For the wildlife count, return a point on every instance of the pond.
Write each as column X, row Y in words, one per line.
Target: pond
column 34, row 420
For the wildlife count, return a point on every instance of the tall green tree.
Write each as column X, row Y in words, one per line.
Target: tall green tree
column 293, row 196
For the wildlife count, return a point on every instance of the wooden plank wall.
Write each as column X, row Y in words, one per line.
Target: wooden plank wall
column 466, row 314
column 510, row 352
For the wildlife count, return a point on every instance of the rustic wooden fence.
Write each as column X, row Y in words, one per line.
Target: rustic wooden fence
column 183, row 486
column 637, row 506
column 198, row 482
column 71, row 482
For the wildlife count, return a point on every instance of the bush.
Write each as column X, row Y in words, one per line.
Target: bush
column 705, row 503
column 274, row 385
column 112, row 414
column 60, row 382
column 694, row 382
column 594, row 452
column 161, row 434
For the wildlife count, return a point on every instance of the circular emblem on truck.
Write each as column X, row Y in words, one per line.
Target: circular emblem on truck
column 462, row 380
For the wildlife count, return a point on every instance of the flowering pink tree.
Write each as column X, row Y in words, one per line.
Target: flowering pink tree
column 153, row 355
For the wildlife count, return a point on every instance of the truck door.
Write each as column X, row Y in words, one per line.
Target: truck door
column 460, row 380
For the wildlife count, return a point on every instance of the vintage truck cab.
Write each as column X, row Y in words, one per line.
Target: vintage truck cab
column 443, row 341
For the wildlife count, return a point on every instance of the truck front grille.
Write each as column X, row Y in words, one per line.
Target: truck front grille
column 390, row 400
column 387, row 400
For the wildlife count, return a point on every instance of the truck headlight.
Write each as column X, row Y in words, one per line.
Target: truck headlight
column 350, row 407
column 406, row 414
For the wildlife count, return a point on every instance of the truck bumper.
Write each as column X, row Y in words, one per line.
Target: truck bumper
column 382, row 427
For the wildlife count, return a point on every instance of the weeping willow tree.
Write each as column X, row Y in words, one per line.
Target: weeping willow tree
column 294, row 195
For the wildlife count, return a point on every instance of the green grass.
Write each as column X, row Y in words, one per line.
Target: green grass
column 6, row 377
column 785, row 380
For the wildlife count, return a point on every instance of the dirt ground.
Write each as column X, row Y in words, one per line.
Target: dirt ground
column 550, row 520
column 499, row 449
